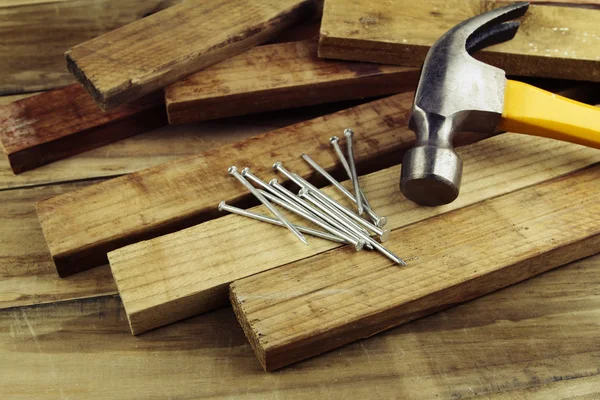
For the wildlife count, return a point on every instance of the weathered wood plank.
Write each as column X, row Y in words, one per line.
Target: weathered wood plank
column 519, row 341
column 151, row 53
column 57, row 124
column 308, row 307
column 188, row 272
column 554, row 42
column 156, row 147
column 276, row 77
column 27, row 272
column 81, row 227
column 36, row 34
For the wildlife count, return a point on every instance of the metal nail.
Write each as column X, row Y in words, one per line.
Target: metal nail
column 304, row 194
column 233, row 171
column 263, row 218
column 380, row 221
column 383, row 233
column 349, row 133
column 357, row 243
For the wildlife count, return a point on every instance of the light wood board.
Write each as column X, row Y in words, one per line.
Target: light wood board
column 534, row 340
column 27, row 272
column 276, row 77
column 151, row 53
column 308, row 307
column 188, row 272
column 553, row 42
column 57, row 124
column 81, row 227
column 36, row 34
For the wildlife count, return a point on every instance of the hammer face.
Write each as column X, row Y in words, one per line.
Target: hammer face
column 456, row 93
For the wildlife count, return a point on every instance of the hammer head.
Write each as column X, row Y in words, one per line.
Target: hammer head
column 456, row 93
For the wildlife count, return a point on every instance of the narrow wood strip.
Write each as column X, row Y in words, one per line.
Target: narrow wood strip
column 27, row 272
column 187, row 272
column 54, row 125
column 305, row 308
column 553, row 42
column 36, row 34
column 147, row 55
column 276, row 77
column 81, row 227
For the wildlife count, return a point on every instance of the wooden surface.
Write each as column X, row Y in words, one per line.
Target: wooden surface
column 279, row 76
column 82, row 226
column 151, row 53
column 188, row 272
column 534, row 340
column 60, row 123
column 314, row 305
column 36, row 33
column 555, row 42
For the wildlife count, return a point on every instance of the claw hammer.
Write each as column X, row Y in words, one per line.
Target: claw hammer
column 459, row 93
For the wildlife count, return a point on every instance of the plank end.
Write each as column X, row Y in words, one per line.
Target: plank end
column 253, row 337
column 87, row 84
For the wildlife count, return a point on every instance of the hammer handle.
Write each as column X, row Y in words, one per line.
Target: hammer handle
column 534, row 111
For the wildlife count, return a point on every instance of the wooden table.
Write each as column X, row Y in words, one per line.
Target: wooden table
column 69, row 338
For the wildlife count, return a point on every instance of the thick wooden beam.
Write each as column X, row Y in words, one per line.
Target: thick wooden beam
column 151, row 53
column 54, row 125
column 81, row 227
column 36, row 34
column 553, row 42
column 185, row 273
column 320, row 303
column 279, row 76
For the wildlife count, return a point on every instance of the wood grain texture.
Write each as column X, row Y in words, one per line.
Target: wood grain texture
column 57, row 124
column 554, row 42
column 308, row 307
column 81, row 227
column 157, row 147
column 534, row 340
column 147, row 55
column 185, row 273
column 276, row 77
column 36, row 34
column 27, row 272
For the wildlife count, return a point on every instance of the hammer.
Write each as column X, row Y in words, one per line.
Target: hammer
column 459, row 93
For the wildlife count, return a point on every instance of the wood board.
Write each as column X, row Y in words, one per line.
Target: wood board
column 537, row 339
column 147, row 55
column 57, row 124
column 27, row 272
column 279, row 76
column 36, row 34
column 305, row 308
column 81, row 227
column 553, row 42
column 157, row 147
column 185, row 273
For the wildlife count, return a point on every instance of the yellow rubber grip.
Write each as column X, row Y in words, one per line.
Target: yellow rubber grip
column 534, row 111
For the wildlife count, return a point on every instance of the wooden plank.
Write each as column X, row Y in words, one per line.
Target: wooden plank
column 553, row 42
column 188, row 272
column 519, row 341
column 36, row 34
column 276, row 77
column 57, row 124
column 27, row 272
column 308, row 307
column 81, row 227
column 151, row 53
column 156, row 147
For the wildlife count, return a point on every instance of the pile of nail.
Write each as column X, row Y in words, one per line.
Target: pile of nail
column 341, row 224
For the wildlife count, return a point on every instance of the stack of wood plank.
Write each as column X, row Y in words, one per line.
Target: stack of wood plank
column 527, row 204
